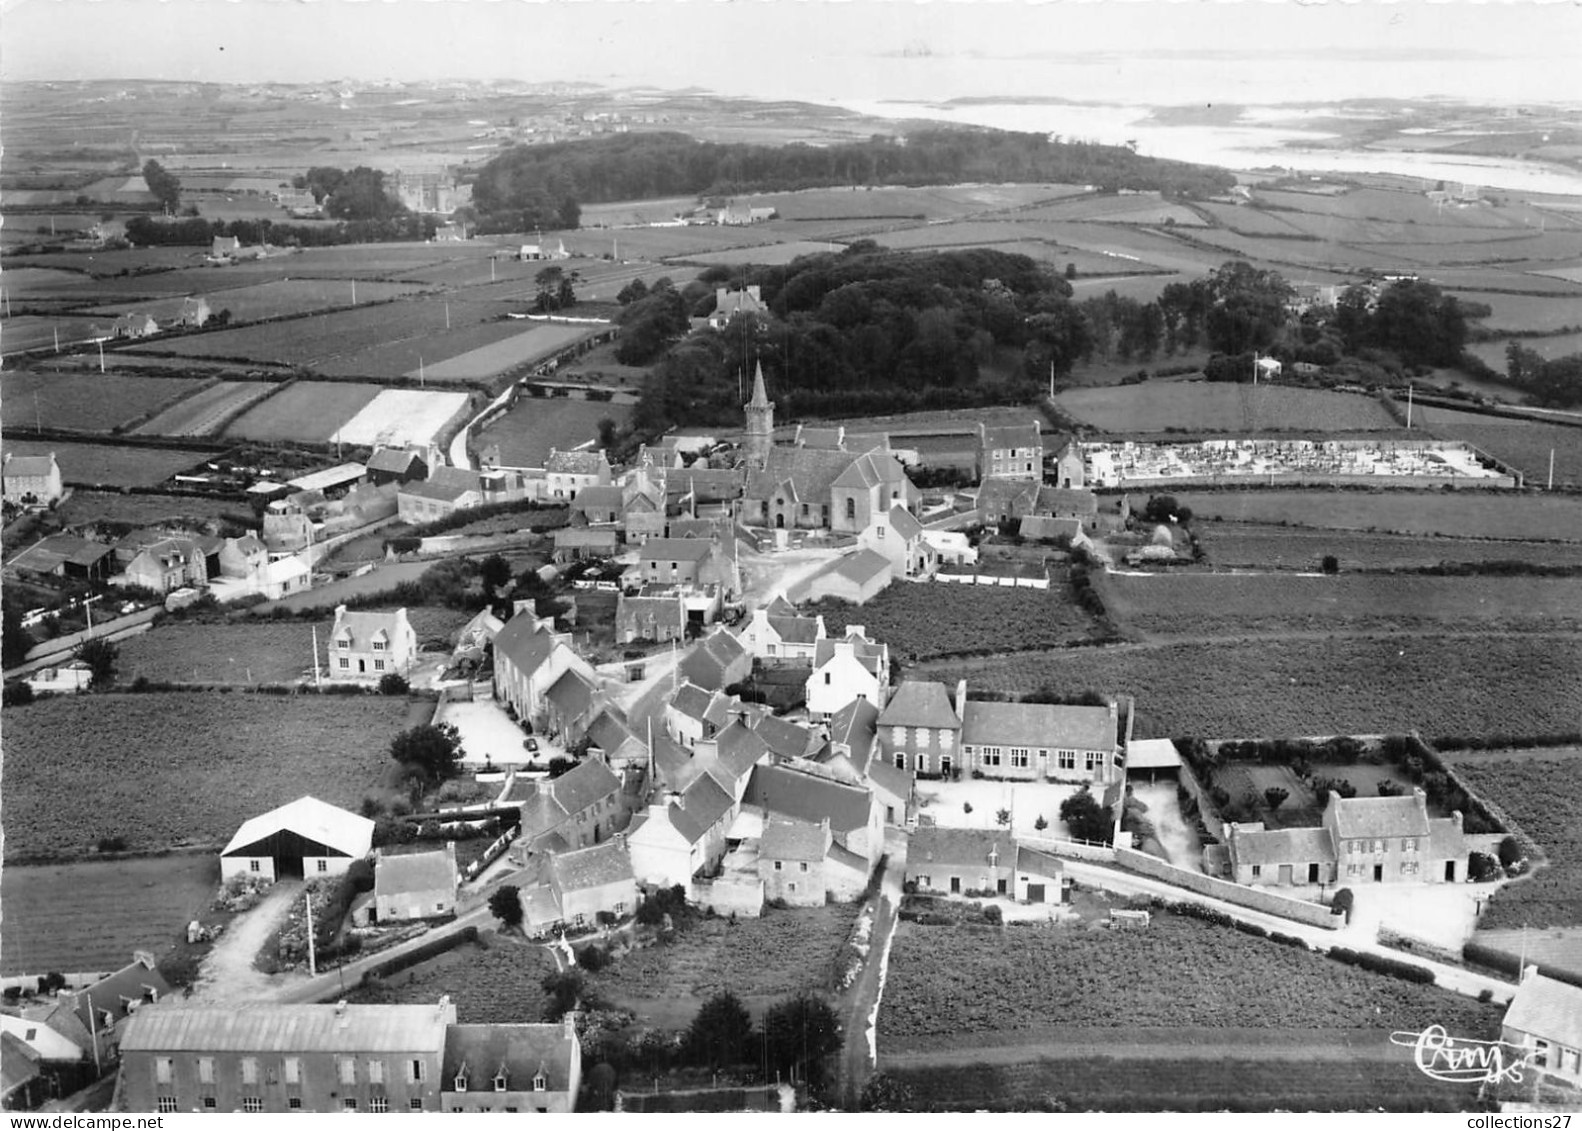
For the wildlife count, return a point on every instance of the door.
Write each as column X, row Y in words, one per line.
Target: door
column 955, row 885
column 1000, row 887
column 362, row 666
column 1035, row 893
column 1450, row 870
column 1285, row 874
column 1378, row 873
column 1312, row 873
column 945, row 764
column 780, row 522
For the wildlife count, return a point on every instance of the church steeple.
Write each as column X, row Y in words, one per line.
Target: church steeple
column 760, row 421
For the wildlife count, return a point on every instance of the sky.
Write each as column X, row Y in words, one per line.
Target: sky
column 833, row 51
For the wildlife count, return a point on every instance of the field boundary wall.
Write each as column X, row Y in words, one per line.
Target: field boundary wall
column 42, row 655
column 1313, row 914
column 1306, row 479
column 1072, row 849
column 728, row 897
column 958, row 521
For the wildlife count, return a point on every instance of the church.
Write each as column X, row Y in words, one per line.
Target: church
column 805, row 488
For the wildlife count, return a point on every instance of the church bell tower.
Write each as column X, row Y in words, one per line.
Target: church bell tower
column 760, row 422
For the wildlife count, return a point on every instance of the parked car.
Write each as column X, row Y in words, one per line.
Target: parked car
column 532, row 745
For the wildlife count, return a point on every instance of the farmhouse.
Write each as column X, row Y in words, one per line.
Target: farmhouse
column 1014, row 451
column 852, row 667
column 415, row 885
column 370, row 645
column 307, row 838
column 29, row 480
column 777, row 633
column 280, row 1058
column 800, row 863
column 134, row 324
column 853, row 752
column 1361, row 840
column 579, row 886
column 1032, row 741
column 446, row 491
column 898, row 536
column 596, row 505
column 567, row 473
column 583, row 806
column 528, row 659
column 718, row 661
column 39, row 1063
column 194, row 313
column 1545, row 1018
column 856, row 822
column 855, row 578
column 919, row 729
column 529, row 1067
column 162, row 562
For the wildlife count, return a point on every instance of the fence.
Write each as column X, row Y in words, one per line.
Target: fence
column 992, row 579
column 1313, row 914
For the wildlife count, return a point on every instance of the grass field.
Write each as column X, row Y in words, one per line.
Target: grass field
column 1437, row 684
column 402, row 416
column 1543, row 795
column 273, row 299
column 1138, row 208
column 765, row 958
column 1255, row 546
column 111, row 465
column 495, row 981
column 1526, row 312
column 1459, row 514
column 402, row 354
column 143, row 510
column 1208, row 605
column 1526, row 447
column 203, row 412
column 250, row 651
column 1549, row 348
column 308, row 410
column 523, row 346
column 949, row 988
column 534, row 425
column 927, row 621
column 775, row 254
column 134, row 904
column 383, row 579
column 84, row 402
column 1205, row 406
column 184, row 768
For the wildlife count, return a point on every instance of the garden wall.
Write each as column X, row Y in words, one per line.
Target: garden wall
column 1313, row 479
column 1071, row 849
column 1313, row 914
column 993, row 579
column 728, row 897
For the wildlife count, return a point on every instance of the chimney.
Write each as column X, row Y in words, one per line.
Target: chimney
column 961, row 697
column 1529, row 972
column 569, row 1023
column 340, row 1008
column 144, row 959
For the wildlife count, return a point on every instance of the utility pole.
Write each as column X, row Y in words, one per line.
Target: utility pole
column 101, row 355
column 1408, row 407
column 316, row 681
column 307, row 899
column 354, row 292
column 1551, row 486
column 447, row 316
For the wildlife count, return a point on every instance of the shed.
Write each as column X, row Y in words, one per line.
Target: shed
column 308, row 838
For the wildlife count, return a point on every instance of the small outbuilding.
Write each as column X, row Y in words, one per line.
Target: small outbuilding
column 308, row 838
column 415, row 885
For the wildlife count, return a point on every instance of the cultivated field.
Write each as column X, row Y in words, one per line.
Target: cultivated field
column 948, row 989
column 495, row 981
column 422, row 357
column 84, row 402
column 522, row 347
column 881, row 202
column 1542, row 792
column 1132, row 208
column 308, row 410
column 402, row 416
column 111, row 465
column 534, row 425
column 1438, row 684
column 1208, row 605
column 1462, row 514
column 1549, row 348
column 1526, row 447
column 1253, row 546
column 1214, row 406
column 203, row 412
column 144, row 510
column 184, row 768
column 924, row 621
column 32, row 332
column 273, row 299
column 134, row 904
column 775, row 254
column 1527, row 312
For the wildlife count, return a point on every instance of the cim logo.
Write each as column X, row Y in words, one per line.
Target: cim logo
column 1459, row 1060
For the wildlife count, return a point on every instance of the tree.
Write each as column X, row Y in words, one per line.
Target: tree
column 505, row 904
column 1247, row 307
column 1086, row 818
column 562, row 991
column 1342, row 902
column 1510, row 852
column 164, row 185
column 100, row 655
column 17, row 640
column 1003, row 818
column 1330, row 564
column 495, row 573
column 1275, row 796
column 1481, row 867
column 432, row 751
column 720, row 1033
column 799, row 1033
column 393, row 683
column 1042, row 823
column 360, row 195
column 636, row 289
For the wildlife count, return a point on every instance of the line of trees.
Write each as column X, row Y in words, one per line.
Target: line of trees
column 149, row 231
column 163, row 184
column 1557, row 382
column 545, row 181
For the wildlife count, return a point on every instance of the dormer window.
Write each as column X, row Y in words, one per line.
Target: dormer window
column 499, row 1080
column 344, row 643
column 461, row 1080
column 539, row 1083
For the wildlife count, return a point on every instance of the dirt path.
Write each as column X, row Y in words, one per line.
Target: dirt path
column 227, row 976
column 1296, row 1049
column 860, row 1019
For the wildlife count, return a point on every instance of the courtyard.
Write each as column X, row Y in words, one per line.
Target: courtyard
column 976, row 803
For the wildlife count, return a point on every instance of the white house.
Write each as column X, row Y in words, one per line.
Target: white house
column 850, row 668
column 776, row 632
column 370, row 645
column 30, row 479
column 898, row 537
column 308, row 838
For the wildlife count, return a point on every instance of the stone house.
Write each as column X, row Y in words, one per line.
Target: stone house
column 370, row 645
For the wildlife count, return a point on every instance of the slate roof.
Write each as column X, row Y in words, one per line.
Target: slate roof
column 883, row 775
column 444, row 484
column 607, row 863
column 675, row 549
column 575, row 463
column 609, row 732
column 1375, row 818
column 571, row 694
column 1006, row 436
column 414, row 872
column 523, row 644
column 571, row 536
column 520, row 1051
column 708, row 663
column 329, row 477
column 1037, row 863
column 691, row 701
column 853, row 726
column 596, row 497
column 1047, row 725
column 793, row 840
column 870, row 469
column 18, row 1063
column 739, row 750
column 674, row 764
column 959, row 848
column 905, row 524
column 1067, row 501
column 703, row 803
column 1007, row 496
column 310, row 818
column 132, row 982
column 710, row 484
column 868, row 653
column 802, row 796
column 1446, row 841
column 1548, row 1009
column 782, row 736
column 862, row 567
column 582, row 785
column 269, row 1028
column 828, row 439
column 1273, row 847
column 394, row 460
column 690, row 528
column 811, row 473
column 29, row 467
column 49, row 554
column 364, row 626
column 920, row 703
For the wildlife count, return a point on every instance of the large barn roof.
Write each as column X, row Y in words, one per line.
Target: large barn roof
column 312, row 819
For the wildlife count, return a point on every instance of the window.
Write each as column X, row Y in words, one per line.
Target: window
column 322, row 865
column 293, row 1070
column 461, row 1081
column 345, row 664
column 349, row 1103
column 414, row 1072
column 348, row 1070
column 779, row 866
column 1353, row 869
column 946, row 739
column 210, row 1103
column 415, row 1104
column 293, row 1103
column 1408, row 867
column 539, row 1083
column 379, row 645
column 1378, row 846
column 1257, row 869
column 205, row 1070
column 162, row 1067
column 379, row 1103
column 1541, row 1053
column 252, row 866
column 791, row 887
column 252, row 1103
column 376, row 1072
column 1019, row 757
column 249, row 1070
column 990, row 756
column 1409, row 844
column 898, row 736
column 880, row 531
column 499, row 1081
column 802, row 866
column 826, row 679
column 1094, row 760
column 1068, row 759
column 851, row 508
column 166, row 1104
column 379, row 665
column 344, row 644
column 900, row 760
